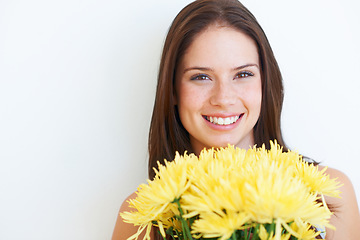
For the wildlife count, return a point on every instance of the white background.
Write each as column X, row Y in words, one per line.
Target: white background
column 77, row 83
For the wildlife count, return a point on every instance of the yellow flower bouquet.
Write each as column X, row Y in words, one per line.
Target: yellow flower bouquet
column 232, row 193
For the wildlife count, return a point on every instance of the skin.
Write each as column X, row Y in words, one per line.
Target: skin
column 219, row 76
column 209, row 82
column 122, row 230
column 347, row 217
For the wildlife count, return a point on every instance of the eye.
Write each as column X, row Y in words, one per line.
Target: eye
column 200, row 77
column 244, row 74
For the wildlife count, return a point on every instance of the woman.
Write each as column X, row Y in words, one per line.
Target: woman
column 219, row 83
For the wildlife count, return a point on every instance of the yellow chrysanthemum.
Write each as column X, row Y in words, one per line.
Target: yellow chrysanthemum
column 233, row 157
column 302, row 230
column 154, row 201
column 317, row 181
column 222, row 226
column 216, row 185
column 264, row 235
column 276, row 194
column 214, row 195
column 259, row 181
column 229, row 189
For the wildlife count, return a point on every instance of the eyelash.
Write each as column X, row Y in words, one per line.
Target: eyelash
column 242, row 74
column 199, row 76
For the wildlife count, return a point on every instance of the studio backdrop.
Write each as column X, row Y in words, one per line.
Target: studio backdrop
column 77, row 85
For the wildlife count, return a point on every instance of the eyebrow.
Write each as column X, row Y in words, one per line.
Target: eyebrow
column 210, row 69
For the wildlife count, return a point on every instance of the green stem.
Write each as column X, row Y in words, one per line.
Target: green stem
column 161, row 235
column 170, row 231
column 233, row 236
column 184, row 224
column 256, row 231
column 248, row 233
column 272, row 230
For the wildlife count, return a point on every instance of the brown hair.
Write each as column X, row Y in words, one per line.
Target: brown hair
column 167, row 134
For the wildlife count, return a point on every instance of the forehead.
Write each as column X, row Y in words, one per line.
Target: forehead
column 221, row 45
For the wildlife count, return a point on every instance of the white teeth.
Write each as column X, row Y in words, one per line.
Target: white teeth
column 223, row 121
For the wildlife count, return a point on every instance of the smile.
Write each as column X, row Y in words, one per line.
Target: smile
column 222, row 121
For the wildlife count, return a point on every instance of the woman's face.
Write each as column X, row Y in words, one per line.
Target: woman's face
column 218, row 89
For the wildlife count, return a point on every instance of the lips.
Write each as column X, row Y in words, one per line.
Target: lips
column 222, row 120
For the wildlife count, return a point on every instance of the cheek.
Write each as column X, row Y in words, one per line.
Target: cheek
column 257, row 94
column 257, row 97
column 189, row 97
column 253, row 96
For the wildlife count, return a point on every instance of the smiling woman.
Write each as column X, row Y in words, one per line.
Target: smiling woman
column 218, row 88
column 219, row 83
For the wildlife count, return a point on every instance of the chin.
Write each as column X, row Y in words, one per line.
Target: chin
column 223, row 144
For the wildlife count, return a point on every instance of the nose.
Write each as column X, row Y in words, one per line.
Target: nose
column 223, row 94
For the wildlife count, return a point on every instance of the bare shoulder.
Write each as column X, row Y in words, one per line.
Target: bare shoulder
column 125, row 205
column 346, row 216
column 347, row 189
column 122, row 230
column 335, row 173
